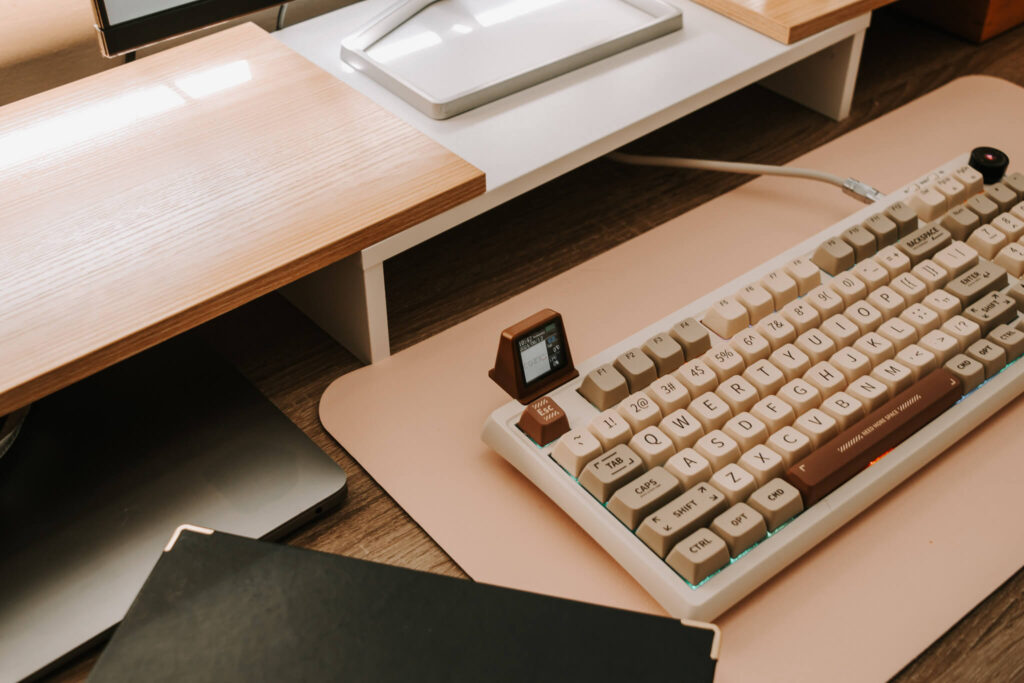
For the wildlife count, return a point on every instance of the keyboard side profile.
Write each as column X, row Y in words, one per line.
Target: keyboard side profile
column 629, row 531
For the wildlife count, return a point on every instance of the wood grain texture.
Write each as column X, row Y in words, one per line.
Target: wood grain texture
column 553, row 228
column 788, row 21
column 136, row 207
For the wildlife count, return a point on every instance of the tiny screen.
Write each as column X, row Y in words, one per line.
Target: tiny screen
column 542, row 351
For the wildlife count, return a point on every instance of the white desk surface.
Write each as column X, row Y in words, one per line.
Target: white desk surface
column 533, row 136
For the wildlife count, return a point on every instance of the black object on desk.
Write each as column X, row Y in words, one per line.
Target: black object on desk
column 219, row 607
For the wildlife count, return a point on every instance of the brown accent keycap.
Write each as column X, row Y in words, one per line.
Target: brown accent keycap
column 828, row 467
column 692, row 336
column 925, row 242
column 970, row 372
column 834, row 256
column 862, row 240
column 884, row 229
column 903, row 216
column 976, row 282
column 665, row 351
column 637, row 368
column 543, row 421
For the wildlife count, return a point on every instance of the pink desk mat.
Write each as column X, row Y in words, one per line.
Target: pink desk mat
column 859, row 606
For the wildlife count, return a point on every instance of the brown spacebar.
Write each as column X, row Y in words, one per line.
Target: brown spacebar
column 828, row 467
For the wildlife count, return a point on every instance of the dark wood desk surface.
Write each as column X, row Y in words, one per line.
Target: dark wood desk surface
column 573, row 218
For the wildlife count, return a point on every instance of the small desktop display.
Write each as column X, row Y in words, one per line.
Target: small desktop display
column 126, row 25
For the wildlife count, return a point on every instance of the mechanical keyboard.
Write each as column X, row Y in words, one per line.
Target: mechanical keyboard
column 710, row 449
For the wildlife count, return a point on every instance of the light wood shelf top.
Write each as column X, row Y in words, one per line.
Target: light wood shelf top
column 147, row 199
column 788, row 21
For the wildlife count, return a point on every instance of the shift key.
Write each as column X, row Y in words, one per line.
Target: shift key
column 837, row 461
column 667, row 525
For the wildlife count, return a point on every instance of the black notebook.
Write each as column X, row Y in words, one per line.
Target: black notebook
column 218, row 607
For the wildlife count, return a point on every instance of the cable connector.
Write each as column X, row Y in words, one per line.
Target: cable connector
column 861, row 191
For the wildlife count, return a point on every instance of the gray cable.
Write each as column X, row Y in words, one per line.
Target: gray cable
column 281, row 11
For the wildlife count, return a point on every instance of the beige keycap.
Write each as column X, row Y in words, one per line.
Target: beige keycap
column 960, row 222
column 903, row 215
column 922, row 318
column 777, row 501
column 826, row 378
column 746, row 430
column 791, row 361
column 816, row 344
column 763, row 463
column 575, row 449
column 871, row 274
column 941, row 344
column 910, row 287
column 610, row 429
column 765, row 377
column 653, row 446
column 638, row 498
column 931, row 274
column 990, row 355
column 1016, row 291
column 609, row 471
column 604, row 387
column 777, row 330
column 726, row 317
column 954, row 190
column 884, row 228
column 869, row 391
column 692, row 336
column 791, row 444
column 987, row 241
column 970, row 178
column 843, row 408
column 738, row 393
column 669, row 394
column 774, row 412
column 689, row 467
column 963, row 330
column 637, row 368
column 1010, row 339
column 851, row 362
column 991, row 310
column 866, row 317
column 970, row 372
column 919, row 360
column 898, row 332
column 825, row 299
column 1001, row 195
column 841, row 330
column 804, row 273
column 801, row 315
column 896, row 376
column 781, row 286
column 893, row 260
column 734, row 482
column 723, row 361
column 680, row 517
column 861, row 240
column 710, row 410
column 682, row 428
column 741, row 526
column 719, row 448
column 757, row 301
column 849, row 288
column 983, row 207
column 639, row 411
column 751, row 345
column 665, row 351
column 928, row 203
column 834, row 256
column 697, row 377
column 876, row 347
column 1018, row 211
column 818, row 426
column 1015, row 181
column 943, row 303
column 800, row 394
column 1011, row 257
column 1010, row 225
column 888, row 301
column 698, row 556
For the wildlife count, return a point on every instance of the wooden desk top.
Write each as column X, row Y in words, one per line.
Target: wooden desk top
column 142, row 201
column 788, row 21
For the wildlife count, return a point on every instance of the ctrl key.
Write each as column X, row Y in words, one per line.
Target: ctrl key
column 698, row 556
